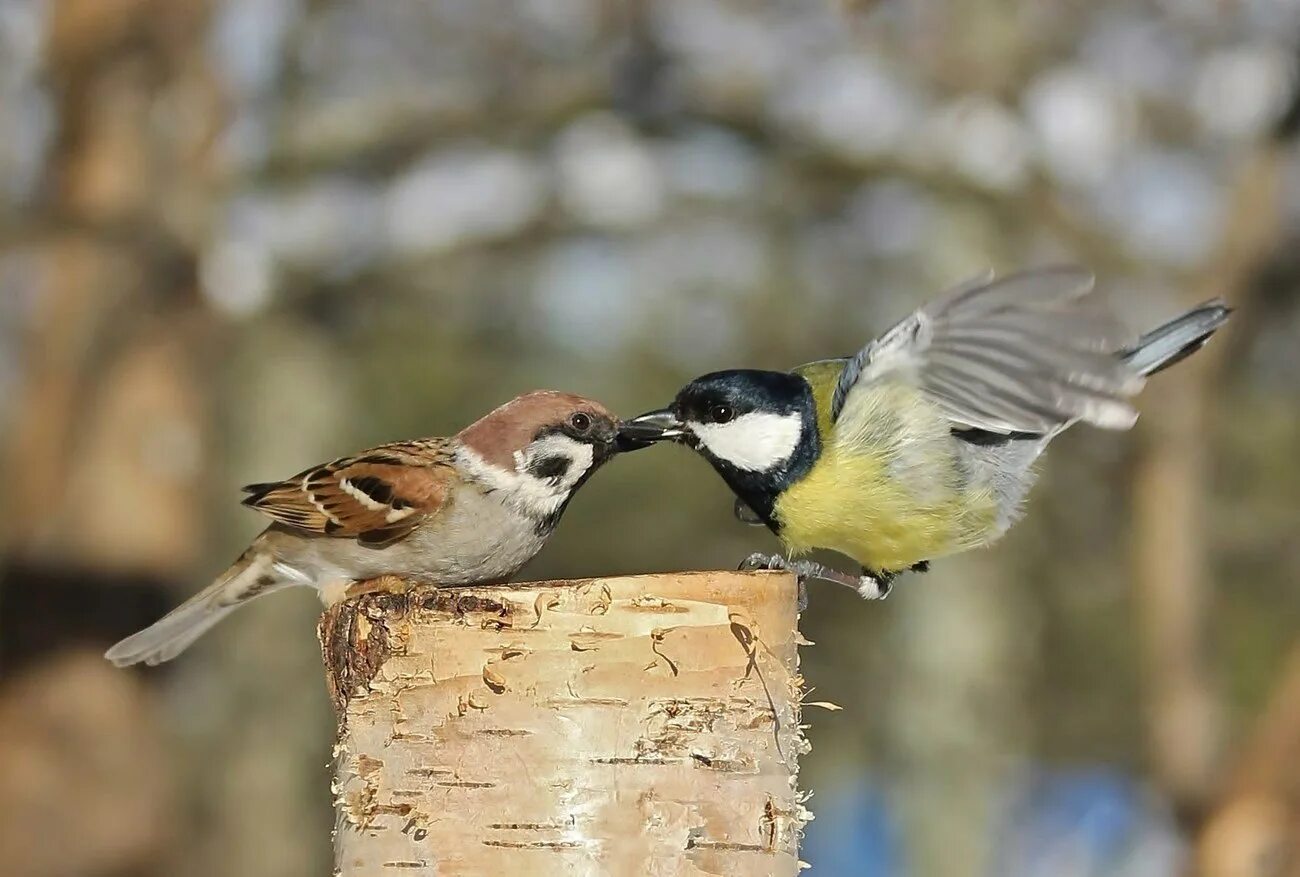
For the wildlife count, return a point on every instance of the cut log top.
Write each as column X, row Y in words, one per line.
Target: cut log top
column 629, row 725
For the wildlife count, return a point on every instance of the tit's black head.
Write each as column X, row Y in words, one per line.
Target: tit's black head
column 720, row 397
column 757, row 428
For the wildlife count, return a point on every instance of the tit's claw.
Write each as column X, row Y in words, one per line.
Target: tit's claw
column 759, row 561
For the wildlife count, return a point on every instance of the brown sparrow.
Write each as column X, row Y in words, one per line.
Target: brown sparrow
column 469, row 509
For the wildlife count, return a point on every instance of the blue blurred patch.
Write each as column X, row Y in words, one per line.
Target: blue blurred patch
column 1086, row 822
column 853, row 834
column 1089, row 822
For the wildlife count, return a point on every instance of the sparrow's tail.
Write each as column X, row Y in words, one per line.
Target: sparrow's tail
column 250, row 576
column 1177, row 339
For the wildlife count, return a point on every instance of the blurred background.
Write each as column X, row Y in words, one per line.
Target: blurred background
column 238, row 237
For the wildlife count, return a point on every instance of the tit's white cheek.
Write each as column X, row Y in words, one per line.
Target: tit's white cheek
column 753, row 442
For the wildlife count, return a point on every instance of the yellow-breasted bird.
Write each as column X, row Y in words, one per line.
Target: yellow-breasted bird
column 923, row 443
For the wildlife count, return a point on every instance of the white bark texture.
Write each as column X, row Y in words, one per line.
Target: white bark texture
column 632, row 725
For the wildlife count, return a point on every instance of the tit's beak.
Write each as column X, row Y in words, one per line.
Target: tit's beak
column 654, row 426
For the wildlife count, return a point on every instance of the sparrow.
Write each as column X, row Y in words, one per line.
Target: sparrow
column 468, row 509
column 922, row 444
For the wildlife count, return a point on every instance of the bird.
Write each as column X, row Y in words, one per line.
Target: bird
column 923, row 443
column 467, row 509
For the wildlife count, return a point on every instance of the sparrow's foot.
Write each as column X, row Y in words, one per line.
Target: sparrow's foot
column 333, row 591
column 384, row 584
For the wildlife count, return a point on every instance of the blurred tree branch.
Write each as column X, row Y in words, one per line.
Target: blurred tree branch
column 1254, row 829
column 83, row 789
column 112, row 412
column 1171, row 562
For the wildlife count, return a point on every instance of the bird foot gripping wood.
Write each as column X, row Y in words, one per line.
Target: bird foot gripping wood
column 380, row 585
column 338, row 590
column 867, row 586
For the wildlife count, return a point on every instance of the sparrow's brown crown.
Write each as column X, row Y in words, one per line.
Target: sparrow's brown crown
column 497, row 435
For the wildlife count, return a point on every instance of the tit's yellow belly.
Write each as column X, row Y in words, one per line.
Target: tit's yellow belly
column 888, row 489
column 850, row 503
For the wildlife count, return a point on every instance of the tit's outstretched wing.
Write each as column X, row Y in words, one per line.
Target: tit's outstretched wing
column 1029, row 352
column 375, row 496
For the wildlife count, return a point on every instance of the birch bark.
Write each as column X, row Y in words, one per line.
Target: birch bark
column 631, row 725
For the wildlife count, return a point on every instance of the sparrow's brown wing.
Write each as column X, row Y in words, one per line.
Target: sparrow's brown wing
column 376, row 496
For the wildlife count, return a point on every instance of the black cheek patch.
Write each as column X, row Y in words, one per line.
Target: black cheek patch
column 550, row 467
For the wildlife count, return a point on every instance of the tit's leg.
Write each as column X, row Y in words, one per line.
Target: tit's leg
column 868, row 586
column 875, row 585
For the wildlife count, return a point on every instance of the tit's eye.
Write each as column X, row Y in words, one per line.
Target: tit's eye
column 580, row 422
column 721, row 413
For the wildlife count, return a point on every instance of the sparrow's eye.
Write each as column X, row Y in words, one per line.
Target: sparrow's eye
column 721, row 413
column 580, row 422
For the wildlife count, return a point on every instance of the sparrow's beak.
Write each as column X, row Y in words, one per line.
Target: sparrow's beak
column 655, row 426
column 608, row 441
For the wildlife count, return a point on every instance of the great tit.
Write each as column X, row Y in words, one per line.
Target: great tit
column 923, row 443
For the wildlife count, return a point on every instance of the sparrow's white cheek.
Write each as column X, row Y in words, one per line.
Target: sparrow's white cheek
column 543, row 476
column 557, row 460
column 753, row 442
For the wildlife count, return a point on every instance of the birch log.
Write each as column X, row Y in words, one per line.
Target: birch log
column 632, row 725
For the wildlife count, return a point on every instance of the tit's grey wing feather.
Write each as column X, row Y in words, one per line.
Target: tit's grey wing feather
column 1024, row 353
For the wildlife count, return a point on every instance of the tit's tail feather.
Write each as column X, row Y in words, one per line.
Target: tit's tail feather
column 1178, row 339
column 250, row 576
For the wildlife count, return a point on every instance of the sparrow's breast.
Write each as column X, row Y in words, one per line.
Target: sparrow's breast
column 478, row 538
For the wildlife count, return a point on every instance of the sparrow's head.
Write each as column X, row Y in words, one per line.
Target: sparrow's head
column 757, row 428
column 539, row 448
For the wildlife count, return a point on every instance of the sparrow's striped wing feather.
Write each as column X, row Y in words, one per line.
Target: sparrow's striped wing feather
column 1026, row 353
column 375, row 496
